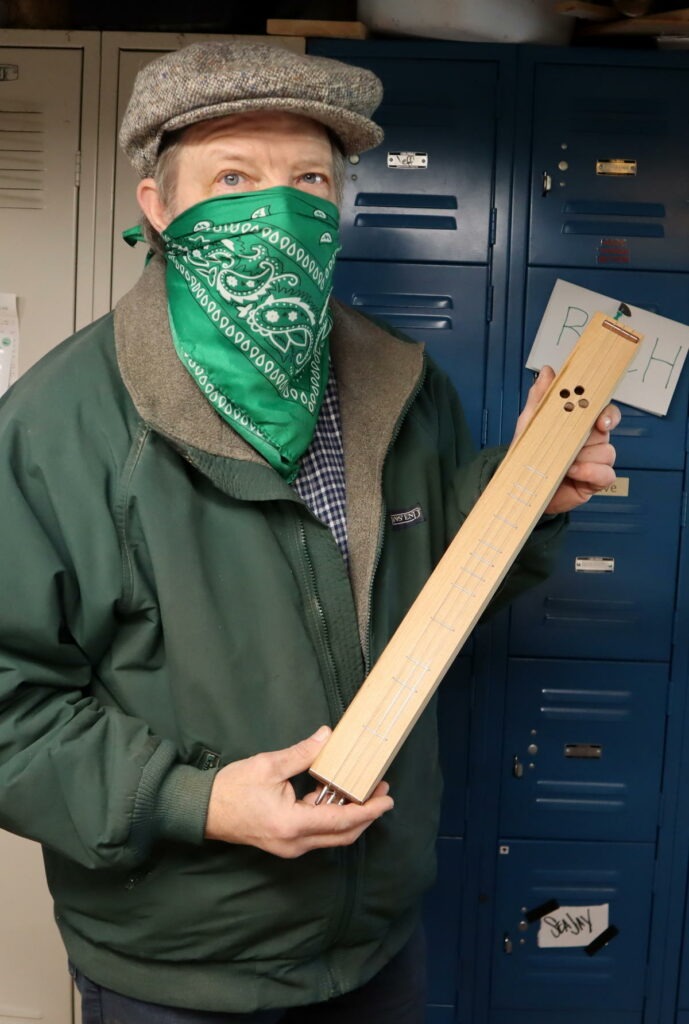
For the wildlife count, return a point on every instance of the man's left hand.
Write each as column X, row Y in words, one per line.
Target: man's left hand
column 592, row 470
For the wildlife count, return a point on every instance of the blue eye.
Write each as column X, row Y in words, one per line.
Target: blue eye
column 231, row 180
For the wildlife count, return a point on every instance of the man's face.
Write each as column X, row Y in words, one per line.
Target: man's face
column 243, row 153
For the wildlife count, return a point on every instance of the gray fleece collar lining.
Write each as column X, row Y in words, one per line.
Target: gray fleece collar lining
column 376, row 372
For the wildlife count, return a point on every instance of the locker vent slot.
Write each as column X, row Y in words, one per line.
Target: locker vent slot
column 405, row 201
column 611, row 229
column 416, row 322
column 397, row 300
column 560, row 609
column 382, row 220
column 615, row 209
column 21, row 160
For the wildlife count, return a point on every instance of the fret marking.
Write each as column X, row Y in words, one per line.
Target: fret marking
column 464, row 590
column 445, row 625
column 503, row 520
column 533, row 469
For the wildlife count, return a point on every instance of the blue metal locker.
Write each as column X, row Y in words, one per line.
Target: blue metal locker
column 426, row 193
column 443, row 306
column 537, row 881
column 610, row 158
column 443, row 911
column 582, row 754
column 612, row 593
column 642, row 439
column 454, row 714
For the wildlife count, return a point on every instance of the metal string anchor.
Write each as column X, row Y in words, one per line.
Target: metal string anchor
column 332, row 795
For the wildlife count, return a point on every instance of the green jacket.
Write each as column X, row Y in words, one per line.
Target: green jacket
column 170, row 605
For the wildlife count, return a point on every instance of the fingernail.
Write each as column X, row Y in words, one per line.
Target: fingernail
column 322, row 734
column 608, row 422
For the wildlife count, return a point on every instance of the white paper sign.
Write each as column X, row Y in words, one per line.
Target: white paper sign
column 9, row 340
column 652, row 377
column 567, row 927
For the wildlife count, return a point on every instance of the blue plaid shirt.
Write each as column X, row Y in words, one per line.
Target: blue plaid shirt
column 320, row 482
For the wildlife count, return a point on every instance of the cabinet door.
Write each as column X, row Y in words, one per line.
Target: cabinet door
column 34, row 982
column 644, row 440
column 583, row 749
column 609, row 167
column 612, row 593
column 40, row 112
column 553, row 901
column 424, row 194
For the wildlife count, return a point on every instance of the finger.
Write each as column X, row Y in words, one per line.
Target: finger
column 594, row 476
column 609, row 419
column 335, row 819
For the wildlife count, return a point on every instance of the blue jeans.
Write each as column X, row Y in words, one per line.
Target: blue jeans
column 396, row 995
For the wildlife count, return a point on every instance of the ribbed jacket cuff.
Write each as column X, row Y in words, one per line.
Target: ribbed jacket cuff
column 182, row 804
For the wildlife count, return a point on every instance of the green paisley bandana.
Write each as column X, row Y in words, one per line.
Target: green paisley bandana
column 248, row 282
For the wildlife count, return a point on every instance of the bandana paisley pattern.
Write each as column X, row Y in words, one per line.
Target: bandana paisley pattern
column 248, row 279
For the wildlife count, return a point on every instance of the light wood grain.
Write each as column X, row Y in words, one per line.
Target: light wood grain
column 439, row 622
column 317, row 29
column 585, row 11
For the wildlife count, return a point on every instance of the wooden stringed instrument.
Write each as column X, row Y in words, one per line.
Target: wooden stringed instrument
column 451, row 602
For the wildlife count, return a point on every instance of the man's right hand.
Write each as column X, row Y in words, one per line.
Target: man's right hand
column 253, row 803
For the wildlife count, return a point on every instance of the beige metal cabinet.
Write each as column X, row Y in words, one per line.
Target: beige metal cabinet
column 66, row 194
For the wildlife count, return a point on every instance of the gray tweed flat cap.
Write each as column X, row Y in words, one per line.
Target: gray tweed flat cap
column 207, row 80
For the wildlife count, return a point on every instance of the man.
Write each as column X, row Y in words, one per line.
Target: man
column 192, row 596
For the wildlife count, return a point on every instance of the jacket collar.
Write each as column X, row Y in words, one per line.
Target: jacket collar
column 377, row 375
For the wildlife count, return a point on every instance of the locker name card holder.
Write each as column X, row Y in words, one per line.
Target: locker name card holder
column 650, row 381
column 9, row 72
column 403, row 680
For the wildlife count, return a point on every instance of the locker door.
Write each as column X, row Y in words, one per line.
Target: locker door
column 641, row 439
column 34, row 981
column 443, row 306
column 40, row 112
column 442, row 915
column 425, row 192
column 609, row 171
column 538, row 977
column 583, row 748
column 612, row 592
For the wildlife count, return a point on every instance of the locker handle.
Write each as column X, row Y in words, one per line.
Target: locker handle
column 547, row 184
column 506, row 943
column 517, row 767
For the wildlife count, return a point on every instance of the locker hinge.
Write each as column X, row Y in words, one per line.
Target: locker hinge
column 489, row 303
column 493, row 229
column 484, row 428
column 77, row 169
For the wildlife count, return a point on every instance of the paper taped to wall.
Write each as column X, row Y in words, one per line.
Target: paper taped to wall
column 9, row 340
column 651, row 379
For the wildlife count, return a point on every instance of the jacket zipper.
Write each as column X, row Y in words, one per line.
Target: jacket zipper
column 381, row 527
column 348, row 856
column 334, row 680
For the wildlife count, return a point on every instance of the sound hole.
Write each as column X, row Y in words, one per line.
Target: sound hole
column 568, row 406
column 583, row 403
column 564, row 393
column 579, row 390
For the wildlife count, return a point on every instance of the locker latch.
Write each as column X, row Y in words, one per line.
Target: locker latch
column 517, row 767
column 547, row 184
column 506, row 943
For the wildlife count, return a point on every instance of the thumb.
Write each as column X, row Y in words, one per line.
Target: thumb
column 295, row 759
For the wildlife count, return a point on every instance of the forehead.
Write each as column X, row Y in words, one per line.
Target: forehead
column 279, row 127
